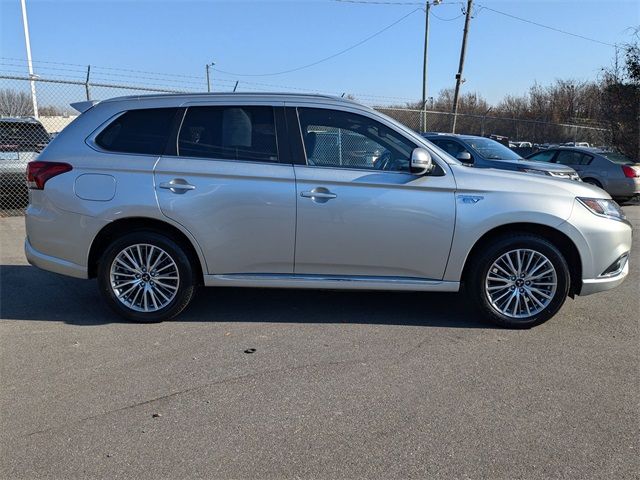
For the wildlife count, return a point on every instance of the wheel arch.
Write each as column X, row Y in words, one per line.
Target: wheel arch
column 127, row 225
column 561, row 241
column 590, row 179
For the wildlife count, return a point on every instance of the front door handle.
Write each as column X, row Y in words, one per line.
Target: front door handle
column 177, row 185
column 319, row 195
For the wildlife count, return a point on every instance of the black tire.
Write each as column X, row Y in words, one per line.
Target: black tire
column 177, row 253
column 622, row 200
column 592, row 181
column 479, row 269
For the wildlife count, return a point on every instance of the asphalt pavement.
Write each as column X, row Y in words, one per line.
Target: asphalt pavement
column 253, row 383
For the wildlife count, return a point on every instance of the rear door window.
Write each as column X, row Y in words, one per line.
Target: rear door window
column 144, row 131
column 546, row 156
column 229, row 133
column 567, row 157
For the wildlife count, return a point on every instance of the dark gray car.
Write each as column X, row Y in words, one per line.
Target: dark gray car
column 21, row 139
column 618, row 175
column 484, row 152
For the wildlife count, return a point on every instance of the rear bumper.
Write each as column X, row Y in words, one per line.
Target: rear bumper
column 53, row 264
column 624, row 187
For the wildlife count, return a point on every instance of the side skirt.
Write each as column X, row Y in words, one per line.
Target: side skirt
column 267, row 280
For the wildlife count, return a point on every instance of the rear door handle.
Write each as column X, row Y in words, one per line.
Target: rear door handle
column 319, row 195
column 177, row 185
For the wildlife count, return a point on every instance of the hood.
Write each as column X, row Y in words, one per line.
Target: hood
column 509, row 181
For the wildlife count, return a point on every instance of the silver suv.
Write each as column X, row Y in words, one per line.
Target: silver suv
column 157, row 195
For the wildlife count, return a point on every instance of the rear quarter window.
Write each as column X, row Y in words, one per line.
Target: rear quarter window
column 144, row 131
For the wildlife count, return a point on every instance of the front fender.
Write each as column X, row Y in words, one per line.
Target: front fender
column 493, row 210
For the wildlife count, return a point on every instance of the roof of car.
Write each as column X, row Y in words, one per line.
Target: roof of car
column 236, row 95
column 18, row 120
column 582, row 149
column 455, row 135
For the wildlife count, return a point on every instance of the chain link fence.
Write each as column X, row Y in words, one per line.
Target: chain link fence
column 25, row 132
column 514, row 129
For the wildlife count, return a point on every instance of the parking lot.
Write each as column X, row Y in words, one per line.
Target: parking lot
column 312, row 384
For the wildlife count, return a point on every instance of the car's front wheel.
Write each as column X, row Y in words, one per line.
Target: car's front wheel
column 146, row 277
column 519, row 281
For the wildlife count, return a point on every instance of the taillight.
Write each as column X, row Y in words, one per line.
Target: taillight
column 630, row 172
column 38, row 173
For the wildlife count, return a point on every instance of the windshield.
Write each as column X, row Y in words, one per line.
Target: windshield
column 618, row 158
column 492, row 150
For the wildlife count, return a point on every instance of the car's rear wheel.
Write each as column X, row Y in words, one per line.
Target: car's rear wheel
column 519, row 281
column 146, row 277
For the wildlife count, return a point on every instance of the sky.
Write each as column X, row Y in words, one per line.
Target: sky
column 504, row 55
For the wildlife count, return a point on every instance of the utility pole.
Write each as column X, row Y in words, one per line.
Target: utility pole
column 27, row 41
column 427, row 7
column 209, row 65
column 461, row 66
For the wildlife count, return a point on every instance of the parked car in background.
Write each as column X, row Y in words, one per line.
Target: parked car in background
column 484, row 152
column 576, row 144
column 156, row 195
column 517, row 144
column 21, row 139
column 618, row 175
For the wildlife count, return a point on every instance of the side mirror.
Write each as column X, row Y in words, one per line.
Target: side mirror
column 465, row 157
column 421, row 162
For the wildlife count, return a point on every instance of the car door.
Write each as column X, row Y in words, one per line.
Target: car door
column 573, row 159
column 579, row 161
column 229, row 182
column 360, row 211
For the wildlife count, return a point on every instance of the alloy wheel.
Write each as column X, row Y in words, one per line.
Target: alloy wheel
column 144, row 277
column 521, row 283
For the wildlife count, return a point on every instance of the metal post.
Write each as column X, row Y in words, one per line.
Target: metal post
column 27, row 41
column 461, row 66
column 86, row 83
column 208, row 81
column 236, row 85
column 340, row 145
column 423, row 120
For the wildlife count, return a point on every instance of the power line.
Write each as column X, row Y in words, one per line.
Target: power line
column 481, row 7
column 325, row 58
column 378, row 2
column 447, row 19
column 484, row 7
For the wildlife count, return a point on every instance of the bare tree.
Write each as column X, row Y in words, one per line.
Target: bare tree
column 620, row 106
column 14, row 103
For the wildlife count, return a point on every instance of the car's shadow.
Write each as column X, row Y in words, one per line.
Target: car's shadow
column 27, row 293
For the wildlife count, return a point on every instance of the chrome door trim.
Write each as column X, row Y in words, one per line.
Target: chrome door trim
column 330, row 282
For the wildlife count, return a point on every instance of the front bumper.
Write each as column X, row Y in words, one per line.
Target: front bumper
column 600, row 243
column 601, row 284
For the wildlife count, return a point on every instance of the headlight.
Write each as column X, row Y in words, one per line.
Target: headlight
column 533, row 170
column 603, row 207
